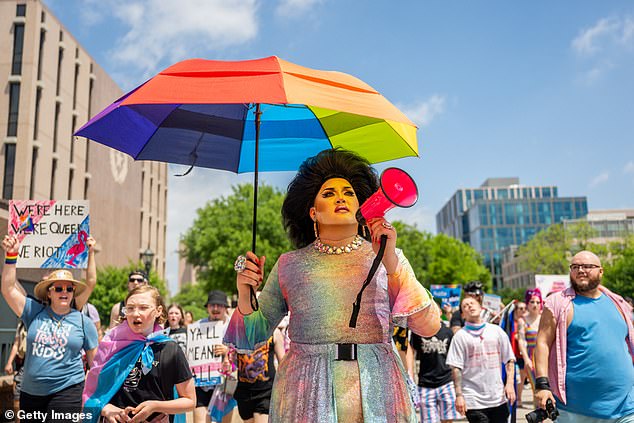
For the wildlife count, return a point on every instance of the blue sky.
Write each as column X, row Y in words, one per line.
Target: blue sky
column 539, row 90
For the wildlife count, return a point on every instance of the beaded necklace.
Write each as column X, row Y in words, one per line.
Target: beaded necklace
column 329, row 249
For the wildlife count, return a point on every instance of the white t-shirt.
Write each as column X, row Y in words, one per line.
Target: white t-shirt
column 481, row 359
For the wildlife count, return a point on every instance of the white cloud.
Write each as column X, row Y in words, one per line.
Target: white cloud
column 599, row 179
column 629, row 167
column 596, row 72
column 295, row 8
column 158, row 33
column 588, row 40
column 423, row 112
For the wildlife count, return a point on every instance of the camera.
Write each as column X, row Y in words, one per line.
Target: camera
column 540, row 415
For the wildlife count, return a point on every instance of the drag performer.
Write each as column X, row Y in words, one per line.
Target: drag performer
column 334, row 372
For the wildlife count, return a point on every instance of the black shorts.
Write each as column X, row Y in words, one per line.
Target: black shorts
column 203, row 397
column 520, row 363
column 253, row 402
column 68, row 400
column 497, row 414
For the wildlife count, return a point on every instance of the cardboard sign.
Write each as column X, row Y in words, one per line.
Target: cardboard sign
column 447, row 294
column 551, row 283
column 492, row 302
column 52, row 233
column 204, row 364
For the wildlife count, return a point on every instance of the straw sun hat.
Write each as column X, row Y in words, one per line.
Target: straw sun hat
column 58, row 275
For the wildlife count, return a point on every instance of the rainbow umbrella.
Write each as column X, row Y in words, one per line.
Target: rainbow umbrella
column 249, row 116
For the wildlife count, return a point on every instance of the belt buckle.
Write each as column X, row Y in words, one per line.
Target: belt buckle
column 346, row 352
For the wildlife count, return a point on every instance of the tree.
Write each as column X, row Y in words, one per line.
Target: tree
column 619, row 272
column 441, row 259
column 192, row 298
column 222, row 231
column 549, row 251
column 112, row 287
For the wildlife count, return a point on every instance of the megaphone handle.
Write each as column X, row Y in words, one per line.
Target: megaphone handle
column 356, row 306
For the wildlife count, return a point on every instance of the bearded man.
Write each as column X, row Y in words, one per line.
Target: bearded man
column 585, row 349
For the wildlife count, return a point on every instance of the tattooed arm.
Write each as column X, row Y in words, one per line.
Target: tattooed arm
column 461, row 406
column 509, row 388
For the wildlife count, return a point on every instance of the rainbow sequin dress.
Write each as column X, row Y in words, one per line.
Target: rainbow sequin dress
column 319, row 290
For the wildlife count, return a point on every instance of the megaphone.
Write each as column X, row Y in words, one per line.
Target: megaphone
column 397, row 189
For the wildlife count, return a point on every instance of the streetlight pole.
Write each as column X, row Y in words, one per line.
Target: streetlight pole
column 147, row 257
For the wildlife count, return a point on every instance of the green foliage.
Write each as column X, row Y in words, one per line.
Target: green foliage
column 112, row 287
column 222, row 231
column 510, row 294
column 192, row 298
column 619, row 273
column 441, row 259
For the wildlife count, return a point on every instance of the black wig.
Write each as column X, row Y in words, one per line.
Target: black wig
column 335, row 163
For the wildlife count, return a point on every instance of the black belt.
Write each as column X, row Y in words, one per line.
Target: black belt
column 346, row 352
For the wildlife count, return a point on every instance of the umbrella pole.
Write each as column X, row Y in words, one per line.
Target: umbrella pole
column 258, row 113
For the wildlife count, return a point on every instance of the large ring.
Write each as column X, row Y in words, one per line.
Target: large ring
column 387, row 225
column 240, row 264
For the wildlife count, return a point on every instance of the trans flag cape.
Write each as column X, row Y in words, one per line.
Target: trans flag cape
column 118, row 352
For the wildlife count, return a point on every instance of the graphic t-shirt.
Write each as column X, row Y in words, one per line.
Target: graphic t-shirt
column 180, row 336
column 432, row 353
column 169, row 368
column 53, row 350
column 256, row 371
column 480, row 356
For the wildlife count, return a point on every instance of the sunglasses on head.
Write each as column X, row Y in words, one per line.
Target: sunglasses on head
column 62, row 289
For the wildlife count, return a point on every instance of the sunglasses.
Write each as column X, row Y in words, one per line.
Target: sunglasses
column 59, row 289
column 136, row 280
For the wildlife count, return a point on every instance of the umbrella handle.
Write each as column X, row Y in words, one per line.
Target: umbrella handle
column 254, row 300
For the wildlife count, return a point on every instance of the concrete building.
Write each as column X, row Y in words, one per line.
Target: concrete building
column 501, row 213
column 50, row 87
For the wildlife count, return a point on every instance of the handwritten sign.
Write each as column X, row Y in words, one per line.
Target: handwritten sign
column 492, row 302
column 52, row 233
column 447, row 294
column 204, row 364
column 551, row 283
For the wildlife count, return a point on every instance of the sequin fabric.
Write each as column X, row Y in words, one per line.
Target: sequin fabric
column 319, row 290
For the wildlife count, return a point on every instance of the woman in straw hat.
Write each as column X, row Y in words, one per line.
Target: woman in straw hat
column 56, row 333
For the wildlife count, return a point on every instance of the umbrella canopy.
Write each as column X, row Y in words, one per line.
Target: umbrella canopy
column 203, row 113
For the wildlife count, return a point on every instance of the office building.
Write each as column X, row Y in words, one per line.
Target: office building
column 501, row 213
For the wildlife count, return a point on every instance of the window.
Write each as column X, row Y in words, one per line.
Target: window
column 72, row 140
column 18, row 46
column 20, row 10
column 86, row 185
column 33, row 168
column 53, row 174
column 71, row 177
column 55, row 128
column 14, row 107
column 75, row 86
column 36, row 121
column 9, row 171
column 60, row 57
column 40, row 54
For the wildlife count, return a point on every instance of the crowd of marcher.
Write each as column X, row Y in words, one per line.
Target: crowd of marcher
column 387, row 359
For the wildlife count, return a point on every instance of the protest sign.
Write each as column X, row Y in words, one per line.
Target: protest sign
column 205, row 365
column 52, row 233
column 551, row 283
column 447, row 294
column 492, row 302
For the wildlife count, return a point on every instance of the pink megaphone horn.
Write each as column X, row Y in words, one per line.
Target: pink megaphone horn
column 397, row 189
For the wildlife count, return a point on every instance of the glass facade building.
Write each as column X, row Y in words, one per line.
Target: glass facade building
column 501, row 213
